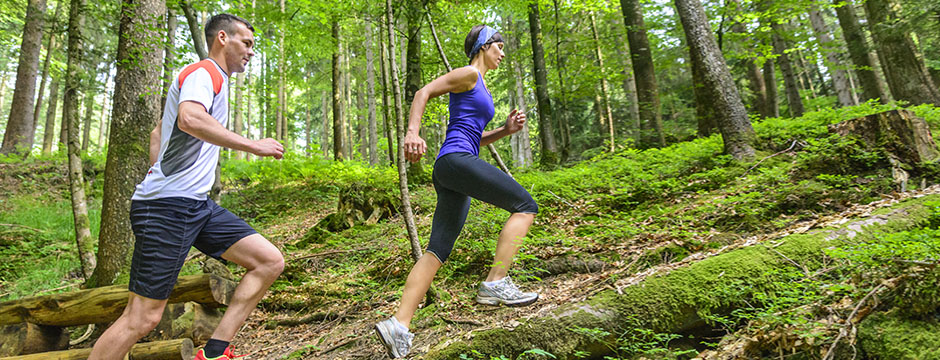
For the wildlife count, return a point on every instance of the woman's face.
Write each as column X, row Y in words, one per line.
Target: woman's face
column 493, row 55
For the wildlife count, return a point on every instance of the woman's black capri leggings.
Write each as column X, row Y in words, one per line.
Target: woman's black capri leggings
column 458, row 177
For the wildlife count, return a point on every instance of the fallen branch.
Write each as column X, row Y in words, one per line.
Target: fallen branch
column 768, row 157
column 24, row 227
column 460, row 321
column 562, row 200
column 88, row 331
column 317, row 317
column 798, row 265
column 849, row 324
column 326, row 253
column 337, row 346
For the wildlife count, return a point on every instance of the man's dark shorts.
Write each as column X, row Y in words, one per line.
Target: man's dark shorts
column 165, row 229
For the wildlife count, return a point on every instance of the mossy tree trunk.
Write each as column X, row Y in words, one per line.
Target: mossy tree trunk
column 904, row 70
column 549, row 150
column 20, row 128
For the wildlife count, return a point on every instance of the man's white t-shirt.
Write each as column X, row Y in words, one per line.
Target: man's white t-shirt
column 186, row 165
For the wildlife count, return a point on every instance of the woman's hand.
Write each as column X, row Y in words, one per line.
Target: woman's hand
column 515, row 121
column 414, row 147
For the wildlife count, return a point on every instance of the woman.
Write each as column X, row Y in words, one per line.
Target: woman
column 459, row 174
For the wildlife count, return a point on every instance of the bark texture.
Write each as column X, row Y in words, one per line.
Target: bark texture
column 549, row 150
column 718, row 86
column 859, row 51
column 651, row 123
column 605, row 93
column 20, row 126
column 135, row 113
column 400, row 128
column 770, row 80
column 85, row 244
column 49, row 133
column 904, row 70
column 520, row 141
column 50, row 53
column 794, row 101
column 370, row 88
column 339, row 143
column 195, row 29
column 839, row 78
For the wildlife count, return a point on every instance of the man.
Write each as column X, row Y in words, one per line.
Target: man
column 170, row 211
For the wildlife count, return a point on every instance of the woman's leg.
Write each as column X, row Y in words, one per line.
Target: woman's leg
column 416, row 287
column 510, row 239
column 449, row 217
column 482, row 181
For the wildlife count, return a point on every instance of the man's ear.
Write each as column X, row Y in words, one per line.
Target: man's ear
column 222, row 36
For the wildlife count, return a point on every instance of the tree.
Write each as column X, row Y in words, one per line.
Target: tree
column 549, row 151
column 386, row 102
column 370, row 87
column 199, row 38
column 339, row 144
column 400, row 129
column 786, row 68
column 85, row 244
column 859, row 51
column 280, row 122
column 904, row 70
column 604, row 92
column 519, row 141
column 239, row 125
column 49, row 132
column 839, row 78
column 651, row 123
column 770, row 81
column 169, row 53
column 754, row 80
column 20, row 126
column 719, row 87
column 50, row 53
column 136, row 111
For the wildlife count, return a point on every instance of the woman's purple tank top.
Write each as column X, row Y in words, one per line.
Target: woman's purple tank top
column 470, row 111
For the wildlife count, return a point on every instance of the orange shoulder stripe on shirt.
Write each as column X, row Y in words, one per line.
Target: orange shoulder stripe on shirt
column 210, row 67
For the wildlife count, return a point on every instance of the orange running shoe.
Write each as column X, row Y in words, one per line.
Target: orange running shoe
column 227, row 355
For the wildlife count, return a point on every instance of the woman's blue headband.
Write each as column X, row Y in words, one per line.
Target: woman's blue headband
column 485, row 34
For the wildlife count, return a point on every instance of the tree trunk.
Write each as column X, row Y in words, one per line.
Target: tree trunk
column 347, row 101
column 280, row 121
column 549, row 151
column 604, row 92
column 21, row 128
column 325, row 124
column 339, row 148
column 169, row 54
column 370, row 86
column 360, row 123
column 413, row 72
column 135, row 113
column 561, row 111
column 85, row 244
column 859, row 51
column 719, row 87
column 704, row 109
column 49, row 131
column 629, row 90
column 239, row 113
column 755, row 83
column 166, row 350
column 102, row 120
column 50, row 52
column 386, row 101
column 400, row 128
column 794, row 100
column 651, row 123
column 195, row 30
column 770, row 80
column 89, row 109
column 904, row 71
column 520, row 142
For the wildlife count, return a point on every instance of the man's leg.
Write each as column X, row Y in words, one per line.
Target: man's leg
column 264, row 263
column 140, row 316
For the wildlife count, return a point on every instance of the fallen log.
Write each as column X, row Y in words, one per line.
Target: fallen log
column 179, row 349
column 105, row 304
column 26, row 338
column 674, row 303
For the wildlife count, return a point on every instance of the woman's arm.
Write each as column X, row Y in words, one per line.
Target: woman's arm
column 458, row 80
column 514, row 123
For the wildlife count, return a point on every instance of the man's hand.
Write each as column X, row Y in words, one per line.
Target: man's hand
column 515, row 121
column 268, row 147
column 414, row 147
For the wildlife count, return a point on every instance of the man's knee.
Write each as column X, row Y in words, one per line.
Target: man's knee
column 141, row 321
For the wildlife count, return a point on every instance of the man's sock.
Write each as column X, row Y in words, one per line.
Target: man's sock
column 214, row 348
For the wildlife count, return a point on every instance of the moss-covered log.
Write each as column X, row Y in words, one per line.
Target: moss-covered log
column 179, row 349
column 26, row 338
column 671, row 303
column 884, row 336
column 105, row 304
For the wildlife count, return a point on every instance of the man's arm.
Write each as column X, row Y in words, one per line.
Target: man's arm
column 194, row 120
column 155, row 142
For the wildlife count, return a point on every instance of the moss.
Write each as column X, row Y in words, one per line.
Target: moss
column 890, row 336
column 671, row 303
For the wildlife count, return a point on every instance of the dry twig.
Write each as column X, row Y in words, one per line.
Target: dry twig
column 848, row 323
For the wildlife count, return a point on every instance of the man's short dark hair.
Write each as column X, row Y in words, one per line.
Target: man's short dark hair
column 223, row 22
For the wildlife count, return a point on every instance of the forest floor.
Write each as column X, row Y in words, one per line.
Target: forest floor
column 605, row 223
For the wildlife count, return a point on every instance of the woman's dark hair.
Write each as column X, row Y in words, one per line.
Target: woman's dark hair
column 472, row 39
